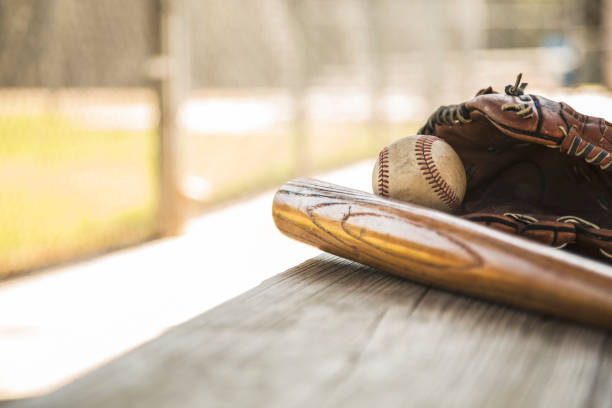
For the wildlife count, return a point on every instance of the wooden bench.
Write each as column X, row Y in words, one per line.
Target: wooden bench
column 334, row 333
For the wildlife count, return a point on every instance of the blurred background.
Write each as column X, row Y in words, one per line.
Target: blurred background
column 126, row 121
column 121, row 120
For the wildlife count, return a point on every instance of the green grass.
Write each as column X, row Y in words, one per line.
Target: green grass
column 237, row 165
column 332, row 145
column 69, row 192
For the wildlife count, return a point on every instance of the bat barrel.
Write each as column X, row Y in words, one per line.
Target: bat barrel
column 434, row 248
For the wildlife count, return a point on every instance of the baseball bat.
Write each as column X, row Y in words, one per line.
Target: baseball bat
column 444, row 251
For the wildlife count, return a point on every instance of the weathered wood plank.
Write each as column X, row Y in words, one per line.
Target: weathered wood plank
column 332, row 333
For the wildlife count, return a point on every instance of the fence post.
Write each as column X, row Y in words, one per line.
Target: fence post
column 297, row 81
column 606, row 42
column 170, row 69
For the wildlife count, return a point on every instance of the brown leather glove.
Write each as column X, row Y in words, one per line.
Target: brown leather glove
column 535, row 167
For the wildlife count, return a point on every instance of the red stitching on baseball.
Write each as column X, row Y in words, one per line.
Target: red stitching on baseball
column 383, row 172
column 425, row 161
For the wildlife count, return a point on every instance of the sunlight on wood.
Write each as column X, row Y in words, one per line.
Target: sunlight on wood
column 88, row 313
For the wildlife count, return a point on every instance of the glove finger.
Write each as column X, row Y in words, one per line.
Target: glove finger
column 497, row 221
column 552, row 233
column 590, row 238
column 578, row 234
column 535, row 119
column 557, row 234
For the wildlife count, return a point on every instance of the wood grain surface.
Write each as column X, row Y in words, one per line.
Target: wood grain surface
column 438, row 249
column 334, row 333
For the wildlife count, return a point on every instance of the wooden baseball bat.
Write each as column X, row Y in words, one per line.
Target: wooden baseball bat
column 434, row 248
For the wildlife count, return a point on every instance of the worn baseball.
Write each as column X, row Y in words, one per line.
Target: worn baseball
column 423, row 170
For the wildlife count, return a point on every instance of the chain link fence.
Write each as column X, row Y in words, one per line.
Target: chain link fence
column 294, row 86
column 109, row 107
column 78, row 126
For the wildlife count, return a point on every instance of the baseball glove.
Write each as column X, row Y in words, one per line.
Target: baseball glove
column 535, row 167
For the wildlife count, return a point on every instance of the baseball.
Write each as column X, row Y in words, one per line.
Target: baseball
column 423, row 170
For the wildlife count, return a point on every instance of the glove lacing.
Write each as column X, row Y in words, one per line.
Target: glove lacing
column 580, row 224
column 446, row 115
column 452, row 115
